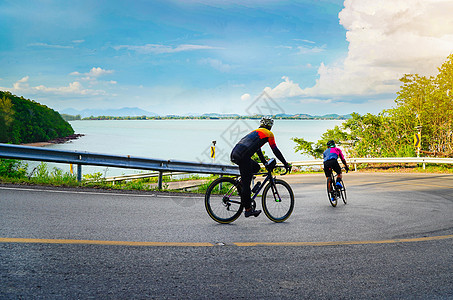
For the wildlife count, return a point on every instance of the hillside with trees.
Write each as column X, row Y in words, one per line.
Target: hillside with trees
column 26, row 121
column 422, row 103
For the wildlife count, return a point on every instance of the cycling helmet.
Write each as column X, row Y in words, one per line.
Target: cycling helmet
column 266, row 122
column 331, row 144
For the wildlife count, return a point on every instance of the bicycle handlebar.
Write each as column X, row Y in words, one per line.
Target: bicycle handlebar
column 271, row 164
column 287, row 170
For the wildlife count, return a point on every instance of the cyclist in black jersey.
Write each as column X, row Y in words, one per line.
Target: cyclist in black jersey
column 242, row 156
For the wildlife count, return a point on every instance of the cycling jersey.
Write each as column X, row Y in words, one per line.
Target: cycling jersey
column 331, row 160
column 252, row 142
column 333, row 153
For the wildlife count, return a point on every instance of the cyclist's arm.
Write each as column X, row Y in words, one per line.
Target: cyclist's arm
column 261, row 156
column 276, row 151
column 346, row 167
column 343, row 160
column 279, row 155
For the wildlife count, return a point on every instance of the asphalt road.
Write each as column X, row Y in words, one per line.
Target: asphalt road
column 392, row 240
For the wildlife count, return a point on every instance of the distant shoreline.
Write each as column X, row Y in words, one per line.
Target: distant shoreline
column 105, row 118
column 210, row 116
column 55, row 141
column 37, row 144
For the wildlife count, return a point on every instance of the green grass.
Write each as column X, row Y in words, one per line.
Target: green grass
column 16, row 172
column 405, row 168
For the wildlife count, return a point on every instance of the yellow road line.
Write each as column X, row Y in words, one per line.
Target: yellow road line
column 251, row 244
column 94, row 242
column 241, row 244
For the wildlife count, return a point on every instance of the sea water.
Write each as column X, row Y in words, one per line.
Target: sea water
column 184, row 140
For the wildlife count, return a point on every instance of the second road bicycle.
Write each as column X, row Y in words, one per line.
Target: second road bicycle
column 223, row 197
column 334, row 192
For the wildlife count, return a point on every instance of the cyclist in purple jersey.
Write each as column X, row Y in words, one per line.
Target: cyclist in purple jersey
column 242, row 156
column 331, row 156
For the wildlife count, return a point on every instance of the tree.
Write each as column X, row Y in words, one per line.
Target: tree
column 421, row 101
column 429, row 101
column 26, row 121
column 6, row 117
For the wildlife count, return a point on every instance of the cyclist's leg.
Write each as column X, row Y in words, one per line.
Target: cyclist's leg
column 246, row 168
column 255, row 166
column 336, row 167
column 328, row 172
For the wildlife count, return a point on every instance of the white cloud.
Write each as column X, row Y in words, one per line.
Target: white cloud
column 160, row 49
column 386, row 41
column 245, row 97
column 216, row 64
column 21, row 83
column 44, row 45
column 94, row 72
column 307, row 50
column 315, row 101
column 305, row 41
column 74, row 88
column 286, row 89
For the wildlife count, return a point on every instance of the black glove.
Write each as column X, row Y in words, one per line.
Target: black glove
column 288, row 168
column 346, row 168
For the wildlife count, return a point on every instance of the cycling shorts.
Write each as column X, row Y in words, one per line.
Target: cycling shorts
column 331, row 164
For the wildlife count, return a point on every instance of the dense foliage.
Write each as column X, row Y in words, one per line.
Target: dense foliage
column 26, row 121
column 67, row 117
column 13, row 168
column 422, row 102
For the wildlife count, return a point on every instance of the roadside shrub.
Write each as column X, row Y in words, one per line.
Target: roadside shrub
column 11, row 168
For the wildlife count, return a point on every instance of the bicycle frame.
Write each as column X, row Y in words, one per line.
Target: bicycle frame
column 268, row 178
column 333, row 176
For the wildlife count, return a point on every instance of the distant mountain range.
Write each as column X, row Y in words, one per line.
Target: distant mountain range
column 137, row 112
column 120, row 112
column 283, row 116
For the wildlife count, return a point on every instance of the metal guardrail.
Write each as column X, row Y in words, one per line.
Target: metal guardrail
column 137, row 176
column 81, row 158
column 370, row 160
column 317, row 162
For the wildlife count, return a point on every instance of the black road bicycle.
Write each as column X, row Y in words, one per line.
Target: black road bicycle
column 335, row 192
column 223, row 197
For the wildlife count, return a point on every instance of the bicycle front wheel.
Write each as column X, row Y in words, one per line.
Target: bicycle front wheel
column 278, row 200
column 343, row 193
column 223, row 201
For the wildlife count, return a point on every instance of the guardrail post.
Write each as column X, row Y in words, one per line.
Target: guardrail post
column 159, row 182
column 79, row 172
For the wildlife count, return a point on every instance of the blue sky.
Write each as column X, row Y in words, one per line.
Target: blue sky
column 200, row 56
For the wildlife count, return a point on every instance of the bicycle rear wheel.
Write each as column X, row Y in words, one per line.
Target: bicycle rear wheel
column 223, row 201
column 343, row 192
column 278, row 200
column 331, row 194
